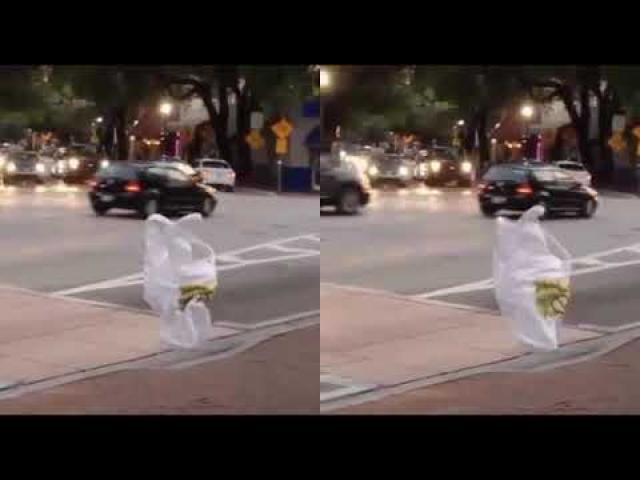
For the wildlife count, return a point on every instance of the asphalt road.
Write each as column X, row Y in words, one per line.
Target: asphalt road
column 420, row 240
column 52, row 242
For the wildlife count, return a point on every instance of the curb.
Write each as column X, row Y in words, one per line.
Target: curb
column 569, row 354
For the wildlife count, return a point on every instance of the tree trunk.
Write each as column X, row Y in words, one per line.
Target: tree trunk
column 483, row 144
column 121, row 134
column 220, row 126
column 243, row 123
column 558, row 142
column 607, row 107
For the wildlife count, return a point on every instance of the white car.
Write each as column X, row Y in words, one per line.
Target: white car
column 576, row 170
column 217, row 172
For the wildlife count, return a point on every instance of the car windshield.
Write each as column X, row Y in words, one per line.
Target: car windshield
column 546, row 175
column 79, row 150
column 442, row 154
column 25, row 156
column 124, row 172
column 186, row 169
column 214, row 164
column 508, row 174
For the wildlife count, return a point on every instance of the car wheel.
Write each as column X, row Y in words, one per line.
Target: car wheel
column 349, row 201
column 488, row 211
column 589, row 208
column 150, row 207
column 208, row 206
column 230, row 188
column 547, row 212
column 100, row 210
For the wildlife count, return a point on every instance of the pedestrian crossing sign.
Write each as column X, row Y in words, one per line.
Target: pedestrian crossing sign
column 617, row 143
column 255, row 140
column 282, row 129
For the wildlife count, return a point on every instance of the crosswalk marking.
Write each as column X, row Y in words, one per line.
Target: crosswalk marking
column 232, row 260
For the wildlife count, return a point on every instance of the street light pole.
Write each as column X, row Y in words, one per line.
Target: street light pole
column 527, row 112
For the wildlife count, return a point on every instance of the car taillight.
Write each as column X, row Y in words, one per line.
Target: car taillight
column 133, row 187
column 93, row 183
column 524, row 189
column 482, row 186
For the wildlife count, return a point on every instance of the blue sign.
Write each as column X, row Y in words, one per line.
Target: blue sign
column 311, row 108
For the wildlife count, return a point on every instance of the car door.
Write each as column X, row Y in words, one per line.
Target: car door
column 181, row 189
column 568, row 190
column 548, row 188
column 328, row 179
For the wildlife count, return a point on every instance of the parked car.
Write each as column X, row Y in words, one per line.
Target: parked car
column 217, row 173
column 26, row 167
column 444, row 166
column 342, row 185
column 521, row 186
column 576, row 170
column 392, row 168
column 149, row 188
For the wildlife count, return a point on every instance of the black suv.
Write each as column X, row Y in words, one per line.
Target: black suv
column 342, row 185
column 522, row 186
column 148, row 189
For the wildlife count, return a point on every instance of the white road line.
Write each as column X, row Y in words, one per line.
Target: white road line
column 280, row 248
column 591, row 259
column 231, row 256
column 346, row 387
column 270, row 323
column 225, row 257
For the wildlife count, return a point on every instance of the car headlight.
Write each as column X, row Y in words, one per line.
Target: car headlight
column 40, row 168
column 104, row 163
column 373, row 170
column 466, row 166
column 403, row 171
column 435, row 165
column 74, row 163
column 11, row 167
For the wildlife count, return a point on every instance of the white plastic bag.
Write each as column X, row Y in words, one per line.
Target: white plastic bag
column 531, row 282
column 176, row 281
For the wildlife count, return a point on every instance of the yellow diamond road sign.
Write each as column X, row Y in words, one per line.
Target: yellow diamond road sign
column 616, row 142
column 282, row 129
column 255, row 140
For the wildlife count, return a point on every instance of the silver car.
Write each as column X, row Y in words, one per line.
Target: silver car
column 27, row 166
column 576, row 170
column 392, row 168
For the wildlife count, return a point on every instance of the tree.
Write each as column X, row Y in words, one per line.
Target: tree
column 115, row 90
column 476, row 93
column 272, row 89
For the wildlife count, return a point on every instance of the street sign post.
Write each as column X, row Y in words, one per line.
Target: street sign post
column 282, row 131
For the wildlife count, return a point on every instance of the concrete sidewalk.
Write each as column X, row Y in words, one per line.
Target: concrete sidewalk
column 42, row 337
column 378, row 339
